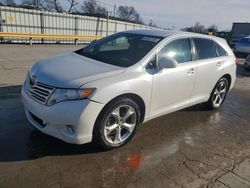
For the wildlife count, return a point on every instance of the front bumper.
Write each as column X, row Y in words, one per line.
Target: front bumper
column 54, row 120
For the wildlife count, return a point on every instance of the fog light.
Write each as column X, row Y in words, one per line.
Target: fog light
column 70, row 129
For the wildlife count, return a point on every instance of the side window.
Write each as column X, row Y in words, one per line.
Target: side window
column 205, row 48
column 220, row 50
column 179, row 49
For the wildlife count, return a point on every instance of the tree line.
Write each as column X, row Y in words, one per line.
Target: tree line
column 199, row 28
column 86, row 7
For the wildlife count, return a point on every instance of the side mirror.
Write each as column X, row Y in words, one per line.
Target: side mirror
column 167, row 62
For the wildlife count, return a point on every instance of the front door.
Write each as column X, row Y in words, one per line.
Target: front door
column 172, row 87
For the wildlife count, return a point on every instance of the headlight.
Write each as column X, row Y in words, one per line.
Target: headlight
column 69, row 94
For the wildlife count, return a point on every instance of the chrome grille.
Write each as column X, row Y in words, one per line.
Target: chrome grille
column 39, row 91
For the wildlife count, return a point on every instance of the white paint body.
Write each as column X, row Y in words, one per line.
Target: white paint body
column 167, row 91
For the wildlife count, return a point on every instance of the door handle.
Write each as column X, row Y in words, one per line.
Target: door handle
column 218, row 64
column 190, row 71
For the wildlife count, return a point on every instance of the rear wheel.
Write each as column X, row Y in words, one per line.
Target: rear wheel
column 218, row 94
column 117, row 123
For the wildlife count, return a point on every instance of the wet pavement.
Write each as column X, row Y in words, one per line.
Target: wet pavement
column 189, row 148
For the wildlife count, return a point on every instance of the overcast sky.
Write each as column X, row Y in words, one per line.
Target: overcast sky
column 181, row 13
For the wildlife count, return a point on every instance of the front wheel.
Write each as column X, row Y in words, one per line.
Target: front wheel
column 218, row 94
column 117, row 123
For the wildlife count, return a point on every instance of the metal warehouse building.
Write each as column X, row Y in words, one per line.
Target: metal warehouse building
column 239, row 30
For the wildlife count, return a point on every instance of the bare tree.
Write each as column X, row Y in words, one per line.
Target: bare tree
column 31, row 3
column 128, row 13
column 197, row 28
column 101, row 10
column 138, row 19
column 9, row 2
column 213, row 28
column 72, row 3
column 53, row 5
column 91, row 7
column 48, row 5
column 151, row 23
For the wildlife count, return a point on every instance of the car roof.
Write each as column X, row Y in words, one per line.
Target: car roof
column 164, row 33
column 167, row 33
column 151, row 32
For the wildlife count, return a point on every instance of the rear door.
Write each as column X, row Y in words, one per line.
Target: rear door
column 209, row 68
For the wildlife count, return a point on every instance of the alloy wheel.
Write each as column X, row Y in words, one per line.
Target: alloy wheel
column 219, row 94
column 120, row 124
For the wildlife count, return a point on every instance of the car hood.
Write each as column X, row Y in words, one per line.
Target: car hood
column 71, row 71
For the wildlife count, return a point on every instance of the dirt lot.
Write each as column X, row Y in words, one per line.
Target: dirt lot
column 190, row 148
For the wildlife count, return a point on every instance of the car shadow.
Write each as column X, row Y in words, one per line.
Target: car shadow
column 35, row 144
column 41, row 145
column 197, row 107
column 8, row 91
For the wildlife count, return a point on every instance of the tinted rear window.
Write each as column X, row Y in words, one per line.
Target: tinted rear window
column 205, row 48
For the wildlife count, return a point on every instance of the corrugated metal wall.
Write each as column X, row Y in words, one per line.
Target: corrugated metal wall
column 240, row 30
column 21, row 20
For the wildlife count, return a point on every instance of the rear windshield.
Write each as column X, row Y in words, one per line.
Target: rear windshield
column 122, row 49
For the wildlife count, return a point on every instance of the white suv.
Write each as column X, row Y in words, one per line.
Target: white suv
column 103, row 91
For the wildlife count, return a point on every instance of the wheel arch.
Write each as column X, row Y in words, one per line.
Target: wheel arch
column 229, row 79
column 136, row 98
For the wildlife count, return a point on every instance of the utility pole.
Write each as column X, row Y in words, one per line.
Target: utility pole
column 37, row 4
column 114, row 10
column 107, row 24
column 1, row 27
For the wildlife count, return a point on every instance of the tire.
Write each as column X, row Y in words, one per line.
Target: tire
column 120, row 116
column 218, row 95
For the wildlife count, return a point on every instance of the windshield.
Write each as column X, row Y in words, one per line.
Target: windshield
column 122, row 49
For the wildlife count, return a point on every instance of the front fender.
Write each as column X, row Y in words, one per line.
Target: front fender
column 138, row 83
